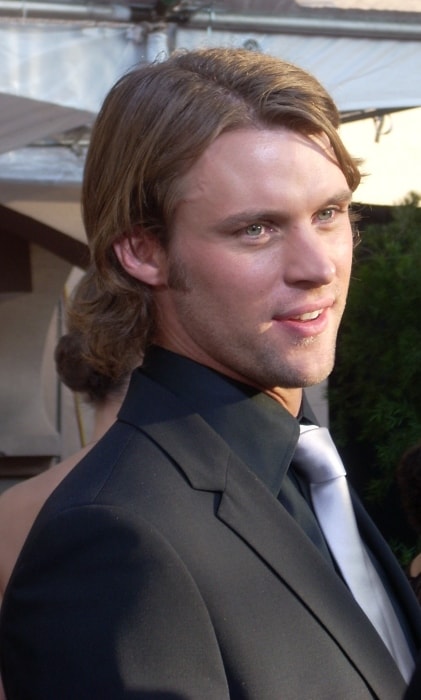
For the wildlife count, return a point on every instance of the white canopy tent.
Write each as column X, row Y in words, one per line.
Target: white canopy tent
column 70, row 54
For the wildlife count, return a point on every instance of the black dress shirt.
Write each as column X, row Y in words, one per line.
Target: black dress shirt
column 259, row 430
column 255, row 426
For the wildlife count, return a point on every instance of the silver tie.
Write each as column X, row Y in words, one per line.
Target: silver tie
column 318, row 460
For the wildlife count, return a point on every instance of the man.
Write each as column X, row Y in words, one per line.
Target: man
column 182, row 558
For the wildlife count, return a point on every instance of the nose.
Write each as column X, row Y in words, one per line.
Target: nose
column 309, row 258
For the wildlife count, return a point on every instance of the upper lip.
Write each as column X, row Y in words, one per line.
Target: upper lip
column 311, row 307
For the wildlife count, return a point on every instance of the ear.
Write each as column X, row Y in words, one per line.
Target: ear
column 142, row 256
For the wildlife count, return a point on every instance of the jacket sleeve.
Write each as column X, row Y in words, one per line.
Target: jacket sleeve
column 101, row 606
column 414, row 689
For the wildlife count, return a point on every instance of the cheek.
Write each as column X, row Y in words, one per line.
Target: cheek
column 223, row 276
column 238, row 281
column 348, row 260
column 342, row 254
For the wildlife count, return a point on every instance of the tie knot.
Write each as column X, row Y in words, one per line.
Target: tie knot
column 316, row 456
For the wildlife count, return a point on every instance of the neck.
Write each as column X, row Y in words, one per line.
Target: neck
column 288, row 398
column 105, row 416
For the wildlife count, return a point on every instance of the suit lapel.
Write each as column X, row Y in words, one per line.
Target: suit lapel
column 395, row 574
column 249, row 509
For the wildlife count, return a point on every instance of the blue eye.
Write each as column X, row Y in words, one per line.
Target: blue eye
column 326, row 214
column 254, row 230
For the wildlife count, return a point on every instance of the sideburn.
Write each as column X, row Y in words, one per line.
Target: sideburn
column 178, row 278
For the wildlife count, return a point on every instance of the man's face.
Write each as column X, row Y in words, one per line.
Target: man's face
column 259, row 260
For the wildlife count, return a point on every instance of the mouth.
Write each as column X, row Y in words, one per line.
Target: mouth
column 308, row 323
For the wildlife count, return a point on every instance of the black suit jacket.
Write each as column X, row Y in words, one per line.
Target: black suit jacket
column 163, row 567
column 414, row 690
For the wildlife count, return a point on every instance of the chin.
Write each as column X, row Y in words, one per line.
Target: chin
column 311, row 373
column 312, row 381
column 316, row 375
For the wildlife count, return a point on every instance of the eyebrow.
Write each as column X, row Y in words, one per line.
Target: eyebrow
column 237, row 220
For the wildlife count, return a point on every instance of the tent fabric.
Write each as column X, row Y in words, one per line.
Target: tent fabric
column 74, row 64
column 24, row 120
column 361, row 74
column 388, row 10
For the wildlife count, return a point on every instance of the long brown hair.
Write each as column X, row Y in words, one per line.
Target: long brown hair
column 154, row 124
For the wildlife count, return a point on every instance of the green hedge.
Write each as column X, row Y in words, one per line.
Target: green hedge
column 375, row 390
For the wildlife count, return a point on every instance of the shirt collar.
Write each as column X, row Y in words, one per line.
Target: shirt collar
column 255, row 426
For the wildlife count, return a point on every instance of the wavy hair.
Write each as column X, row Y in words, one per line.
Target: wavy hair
column 154, row 124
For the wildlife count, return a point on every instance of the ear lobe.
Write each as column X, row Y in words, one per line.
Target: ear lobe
column 142, row 256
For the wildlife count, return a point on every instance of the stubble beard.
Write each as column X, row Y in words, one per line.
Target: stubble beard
column 270, row 372
column 178, row 276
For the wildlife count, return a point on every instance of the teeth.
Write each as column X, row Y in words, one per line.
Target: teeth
column 310, row 316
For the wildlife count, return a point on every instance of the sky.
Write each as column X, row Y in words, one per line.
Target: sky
column 392, row 162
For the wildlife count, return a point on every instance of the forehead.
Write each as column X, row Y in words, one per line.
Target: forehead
column 250, row 164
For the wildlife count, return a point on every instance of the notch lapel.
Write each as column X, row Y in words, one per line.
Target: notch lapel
column 248, row 508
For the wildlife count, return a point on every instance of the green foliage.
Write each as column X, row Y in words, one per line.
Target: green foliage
column 375, row 390
column 403, row 553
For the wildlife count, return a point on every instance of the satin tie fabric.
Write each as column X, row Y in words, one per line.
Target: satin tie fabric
column 318, row 461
